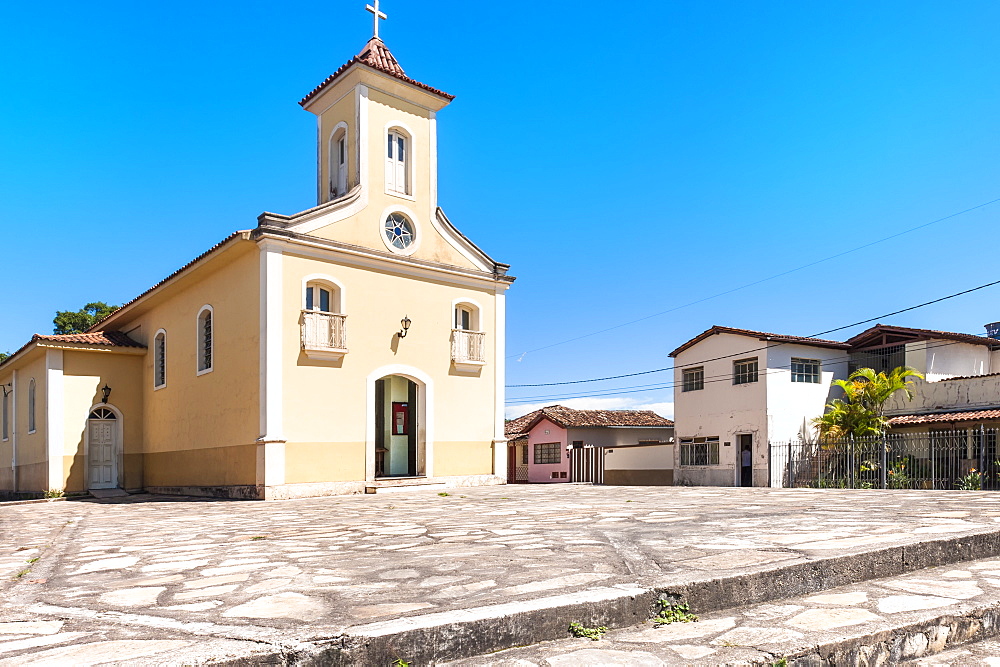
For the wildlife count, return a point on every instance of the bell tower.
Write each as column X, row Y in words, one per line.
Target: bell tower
column 376, row 132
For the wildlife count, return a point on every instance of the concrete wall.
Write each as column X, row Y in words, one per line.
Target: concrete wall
column 941, row 359
column 639, row 465
column 947, row 395
column 615, row 436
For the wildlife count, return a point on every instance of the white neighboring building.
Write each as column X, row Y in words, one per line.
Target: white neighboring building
column 738, row 389
column 735, row 389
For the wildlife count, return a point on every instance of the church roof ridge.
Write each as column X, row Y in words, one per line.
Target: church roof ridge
column 374, row 54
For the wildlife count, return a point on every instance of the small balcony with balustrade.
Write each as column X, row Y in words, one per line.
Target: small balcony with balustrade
column 324, row 335
column 468, row 349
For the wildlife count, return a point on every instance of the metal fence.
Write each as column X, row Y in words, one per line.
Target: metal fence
column 586, row 464
column 957, row 459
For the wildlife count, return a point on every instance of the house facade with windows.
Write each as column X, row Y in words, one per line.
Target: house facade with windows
column 625, row 447
column 738, row 390
column 356, row 344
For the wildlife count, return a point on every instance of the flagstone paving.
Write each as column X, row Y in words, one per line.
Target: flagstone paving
column 231, row 578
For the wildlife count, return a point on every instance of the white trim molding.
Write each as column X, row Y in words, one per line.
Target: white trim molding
column 336, row 285
column 271, row 344
column 55, row 422
column 331, row 171
column 425, row 414
column 499, row 374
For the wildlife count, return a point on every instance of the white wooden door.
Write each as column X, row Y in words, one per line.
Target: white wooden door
column 103, row 459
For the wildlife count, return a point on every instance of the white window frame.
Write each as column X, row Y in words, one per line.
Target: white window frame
column 475, row 313
column 414, row 221
column 799, row 361
column 687, row 450
column 338, row 295
column 696, row 384
column 743, row 377
column 32, row 405
column 200, row 337
column 400, row 130
column 338, row 133
column 157, row 357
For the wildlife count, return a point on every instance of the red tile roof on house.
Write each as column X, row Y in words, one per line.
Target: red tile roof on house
column 945, row 418
column 377, row 56
column 922, row 334
column 761, row 335
column 570, row 418
column 102, row 338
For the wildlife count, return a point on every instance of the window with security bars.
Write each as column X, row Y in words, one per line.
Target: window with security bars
column 805, row 370
column 6, row 414
column 524, row 455
column 547, row 452
column 160, row 360
column 700, row 451
column 883, row 359
column 205, row 341
column 693, row 379
column 744, row 371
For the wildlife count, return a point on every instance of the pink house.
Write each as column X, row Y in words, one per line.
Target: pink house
column 540, row 443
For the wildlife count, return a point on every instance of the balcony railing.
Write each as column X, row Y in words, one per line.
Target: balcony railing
column 324, row 335
column 468, row 348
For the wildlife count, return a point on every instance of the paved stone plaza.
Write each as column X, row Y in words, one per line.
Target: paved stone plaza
column 158, row 579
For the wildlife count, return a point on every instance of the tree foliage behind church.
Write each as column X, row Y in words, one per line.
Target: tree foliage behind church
column 69, row 321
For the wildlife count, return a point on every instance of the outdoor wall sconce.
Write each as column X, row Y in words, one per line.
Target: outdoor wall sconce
column 405, row 323
column 7, row 388
column 106, row 390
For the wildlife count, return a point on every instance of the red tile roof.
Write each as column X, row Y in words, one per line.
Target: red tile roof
column 103, row 338
column 760, row 335
column 376, row 55
column 945, row 417
column 923, row 334
column 570, row 418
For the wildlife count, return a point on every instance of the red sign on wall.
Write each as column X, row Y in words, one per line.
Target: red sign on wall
column 400, row 418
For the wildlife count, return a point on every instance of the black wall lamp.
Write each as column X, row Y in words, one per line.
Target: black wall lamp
column 7, row 388
column 106, row 390
column 405, row 323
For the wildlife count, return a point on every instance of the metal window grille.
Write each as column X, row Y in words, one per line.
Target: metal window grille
column 744, row 371
column 883, row 359
column 160, row 361
column 805, row 370
column 548, row 452
column 6, row 416
column 700, row 451
column 206, row 341
column 694, row 379
column 524, row 455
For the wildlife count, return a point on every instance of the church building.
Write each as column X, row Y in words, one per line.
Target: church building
column 354, row 345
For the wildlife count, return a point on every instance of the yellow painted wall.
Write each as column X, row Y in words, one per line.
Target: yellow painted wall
column 32, row 471
column 324, row 461
column 325, row 401
column 217, row 411
column 343, row 110
column 84, row 373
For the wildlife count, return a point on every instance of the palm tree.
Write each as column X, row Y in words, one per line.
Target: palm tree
column 861, row 412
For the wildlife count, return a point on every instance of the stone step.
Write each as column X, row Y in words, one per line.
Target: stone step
column 403, row 484
column 466, row 633
column 907, row 617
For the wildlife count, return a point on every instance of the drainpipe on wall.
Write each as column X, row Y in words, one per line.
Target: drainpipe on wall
column 13, row 433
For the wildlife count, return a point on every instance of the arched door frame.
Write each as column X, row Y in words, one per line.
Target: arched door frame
column 119, row 439
column 425, row 414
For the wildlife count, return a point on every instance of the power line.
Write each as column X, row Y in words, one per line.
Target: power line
column 736, row 354
column 758, row 282
column 723, row 377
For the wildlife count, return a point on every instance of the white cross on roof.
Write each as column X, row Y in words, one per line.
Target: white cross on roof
column 377, row 15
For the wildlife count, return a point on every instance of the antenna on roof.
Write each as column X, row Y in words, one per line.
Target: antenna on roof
column 377, row 15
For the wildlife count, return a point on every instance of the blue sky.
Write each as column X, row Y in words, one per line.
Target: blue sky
column 647, row 155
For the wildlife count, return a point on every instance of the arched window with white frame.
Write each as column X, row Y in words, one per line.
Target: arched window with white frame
column 206, row 345
column 397, row 162
column 338, row 161
column 468, row 342
column 160, row 359
column 32, row 424
column 324, row 324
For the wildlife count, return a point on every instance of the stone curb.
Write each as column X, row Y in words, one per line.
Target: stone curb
column 33, row 501
column 468, row 633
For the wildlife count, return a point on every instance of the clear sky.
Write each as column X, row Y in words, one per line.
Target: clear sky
column 625, row 158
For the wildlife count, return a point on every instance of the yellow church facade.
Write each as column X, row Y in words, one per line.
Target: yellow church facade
column 354, row 345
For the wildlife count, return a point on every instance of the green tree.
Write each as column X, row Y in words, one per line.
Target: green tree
column 69, row 322
column 861, row 412
column 4, row 356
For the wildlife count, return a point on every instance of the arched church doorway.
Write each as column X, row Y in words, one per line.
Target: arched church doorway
column 399, row 446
